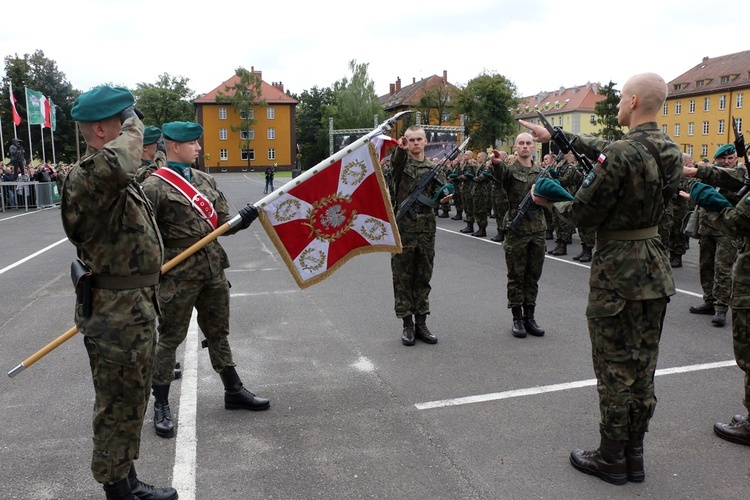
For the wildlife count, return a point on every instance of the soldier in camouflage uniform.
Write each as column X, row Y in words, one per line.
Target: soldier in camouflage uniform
column 569, row 178
column 480, row 196
column 455, row 179
column 524, row 246
column 468, row 172
column 412, row 268
column 631, row 280
column 717, row 250
column 734, row 221
column 678, row 208
column 198, row 282
column 109, row 220
column 153, row 156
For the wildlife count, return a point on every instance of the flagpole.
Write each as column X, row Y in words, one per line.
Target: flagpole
column 380, row 129
column 13, row 105
column 2, row 141
column 28, row 125
column 53, row 124
column 44, row 155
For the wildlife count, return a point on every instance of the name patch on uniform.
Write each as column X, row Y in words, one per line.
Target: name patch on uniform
column 590, row 177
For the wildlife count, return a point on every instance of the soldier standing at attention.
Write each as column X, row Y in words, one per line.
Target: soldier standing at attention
column 624, row 198
column 152, row 157
column 412, row 268
column 199, row 282
column 524, row 246
column 107, row 217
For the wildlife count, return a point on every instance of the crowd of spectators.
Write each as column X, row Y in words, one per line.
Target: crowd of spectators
column 17, row 185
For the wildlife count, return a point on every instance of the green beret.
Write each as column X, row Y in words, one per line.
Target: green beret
column 708, row 197
column 101, row 103
column 726, row 149
column 552, row 190
column 182, row 131
column 151, row 134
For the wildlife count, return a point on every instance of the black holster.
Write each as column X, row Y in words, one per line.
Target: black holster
column 83, row 280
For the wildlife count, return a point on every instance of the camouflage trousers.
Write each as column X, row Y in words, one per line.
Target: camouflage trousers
column 412, row 272
column 121, row 362
column 563, row 230
column 468, row 200
column 210, row 298
column 678, row 242
column 458, row 200
column 741, row 344
column 524, row 258
column 624, row 347
column 588, row 237
column 716, row 257
column 499, row 200
column 480, row 206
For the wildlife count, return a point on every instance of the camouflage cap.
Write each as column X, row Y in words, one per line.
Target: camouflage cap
column 182, row 131
column 151, row 134
column 726, row 149
column 101, row 103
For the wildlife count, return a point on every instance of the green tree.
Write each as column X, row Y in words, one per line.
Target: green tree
column 355, row 103
column 244, row 96
column 606, row 113
column 38, row 73
column 487, row 102
column 312, row 132
column 167, row 100
column 438, row 98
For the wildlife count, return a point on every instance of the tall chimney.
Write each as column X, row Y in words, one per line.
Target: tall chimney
column 398, row 84
column 445, row 76
column 393, row 89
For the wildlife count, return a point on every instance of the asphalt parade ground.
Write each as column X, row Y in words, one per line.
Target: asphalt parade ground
column 355, row 414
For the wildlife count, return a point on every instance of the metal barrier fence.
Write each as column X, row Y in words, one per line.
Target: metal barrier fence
column 28, row 195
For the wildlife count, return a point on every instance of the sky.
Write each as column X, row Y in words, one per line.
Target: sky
column 539, row 45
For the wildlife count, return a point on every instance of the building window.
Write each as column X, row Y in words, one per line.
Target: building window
column 663, row 129
column 689, row 149
column 723, row 102
column 691, row 128
column 720, row 127
column 738, row 102
column 271, row 133
column 706, row 104
column 738, row 124
column 665, row 109
column 222, row 134
column 678, row 107
column 222, row 113
column 271, row 154
column 704, row 151
column 445, row 117
column 270, row 113
column 224, row 154
column 247, row 114
column 248, row 154
column 676, row 129
column 700, row 83
column 247, row 135
column 705, row 128
column 691, row 106
column 725, row 79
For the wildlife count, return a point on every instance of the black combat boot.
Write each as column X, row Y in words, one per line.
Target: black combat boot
column 518, row 328
column 585, row 254
column 163, row 424
column 236, row 397
column 634, row 457
column 119, row 491
column 529, row 322
column 737, row 431
column 421, row 331
column 469, row 228
column 177, row 370
column 675, row 260
column 458, row 216
column 499, row 237
column 549, row 235
column 407, row 335
column 606, row 463
column 144, row 491
column 480, row 233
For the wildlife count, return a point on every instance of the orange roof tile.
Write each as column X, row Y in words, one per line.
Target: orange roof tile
column 713, row 74
column 272, row 94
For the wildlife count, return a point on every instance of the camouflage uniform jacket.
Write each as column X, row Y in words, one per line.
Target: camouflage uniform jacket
column 406, row 172
column 568, row 175
column 149, row 167
column 178, row 220
column 109, row 220
column 736, row 222
column 517, row 180
column 729, row 181
column 626, row 191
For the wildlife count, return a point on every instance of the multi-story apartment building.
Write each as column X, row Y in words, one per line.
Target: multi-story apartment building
column 273, row 137
column 703, row 102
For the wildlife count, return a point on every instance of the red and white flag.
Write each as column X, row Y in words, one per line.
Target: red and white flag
column 339, row 212
column 16, row 116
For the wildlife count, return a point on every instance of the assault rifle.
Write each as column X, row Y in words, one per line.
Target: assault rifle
column 417, row 192
column 739, row 145
column 565, row 145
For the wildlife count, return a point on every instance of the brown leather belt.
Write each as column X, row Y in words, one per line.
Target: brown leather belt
column 645, row 233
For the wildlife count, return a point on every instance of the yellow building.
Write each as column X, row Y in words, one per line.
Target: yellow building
column 703, row 101
column 273, row 138
column 572, row 109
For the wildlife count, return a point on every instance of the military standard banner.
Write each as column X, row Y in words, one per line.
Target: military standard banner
column 340, row 212
column 37, row 109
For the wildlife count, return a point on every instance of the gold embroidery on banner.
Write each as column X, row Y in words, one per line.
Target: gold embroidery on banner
column 356, row 170
column 374, row 229
column 310, row 262
column 287, row 210
column 329, row 219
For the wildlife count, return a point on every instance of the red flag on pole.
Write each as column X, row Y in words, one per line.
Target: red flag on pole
column 16, row 116
column 47, row 105
column 341, row 211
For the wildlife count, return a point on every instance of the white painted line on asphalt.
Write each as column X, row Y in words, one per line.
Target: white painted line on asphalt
column 531, row 391
column 183, row 473
column 259, row 294
column 8, row 268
